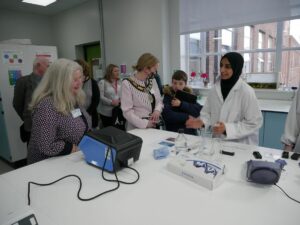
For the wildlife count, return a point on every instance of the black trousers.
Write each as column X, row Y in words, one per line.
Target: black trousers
column 106, row 120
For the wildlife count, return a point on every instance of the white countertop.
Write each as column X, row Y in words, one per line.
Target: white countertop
column 274, row 105
column 159, row 197
column 266, row 105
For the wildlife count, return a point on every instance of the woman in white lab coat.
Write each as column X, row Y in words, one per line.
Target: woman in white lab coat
column 231, row 107
column 291, row 135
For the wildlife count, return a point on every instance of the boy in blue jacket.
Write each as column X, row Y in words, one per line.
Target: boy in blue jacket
column 176, row 112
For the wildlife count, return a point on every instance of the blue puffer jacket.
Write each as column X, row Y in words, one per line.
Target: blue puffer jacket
column 175, row 117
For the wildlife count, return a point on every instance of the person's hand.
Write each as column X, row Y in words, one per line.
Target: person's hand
column 74, row 149
column 175, row 102
column 115, row 102
column 155, row 116
column 194, row 123
column 219, row 128
column 288, row 148
column 191, row 117
column 151, row 124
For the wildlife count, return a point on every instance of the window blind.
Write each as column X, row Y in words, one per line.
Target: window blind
column 200, row 15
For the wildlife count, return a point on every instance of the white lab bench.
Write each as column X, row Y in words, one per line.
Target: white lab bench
column 159, row 197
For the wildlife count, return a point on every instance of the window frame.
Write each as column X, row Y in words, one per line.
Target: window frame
column 277, row 49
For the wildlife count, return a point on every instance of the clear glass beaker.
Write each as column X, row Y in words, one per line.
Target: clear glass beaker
column 180, row 142
column 206, row 143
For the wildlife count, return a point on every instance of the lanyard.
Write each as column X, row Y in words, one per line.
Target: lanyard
column 115, row 86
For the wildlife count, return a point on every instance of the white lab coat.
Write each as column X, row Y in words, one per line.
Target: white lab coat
column 239, row 112
column 291, row 133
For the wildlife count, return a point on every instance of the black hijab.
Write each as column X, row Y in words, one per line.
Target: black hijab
column 236, row 61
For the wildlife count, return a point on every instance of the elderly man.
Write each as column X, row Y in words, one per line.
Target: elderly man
column 24, row 89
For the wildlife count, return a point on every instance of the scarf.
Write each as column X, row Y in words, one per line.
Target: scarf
column 236, row 61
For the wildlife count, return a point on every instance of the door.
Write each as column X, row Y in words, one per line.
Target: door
column 92, row 55
column 273, row 129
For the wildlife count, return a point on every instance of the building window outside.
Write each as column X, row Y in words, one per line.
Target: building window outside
column 290, row 57
column 247, row 37
column 259, row 46
column 270, row 56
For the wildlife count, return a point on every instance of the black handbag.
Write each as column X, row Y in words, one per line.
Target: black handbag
column 118, row 119
column 24, row 135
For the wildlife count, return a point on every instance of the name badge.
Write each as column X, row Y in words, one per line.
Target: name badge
column 76, row 113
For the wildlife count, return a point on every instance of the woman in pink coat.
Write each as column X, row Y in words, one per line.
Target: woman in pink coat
column 141, row 101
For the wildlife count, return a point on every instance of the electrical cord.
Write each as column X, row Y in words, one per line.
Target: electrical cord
column 117, row 179
column 120, row 181
column 78, row 193
column 80, row 182
column 287, row 194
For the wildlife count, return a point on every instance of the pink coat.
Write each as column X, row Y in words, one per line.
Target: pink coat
column 136, row 104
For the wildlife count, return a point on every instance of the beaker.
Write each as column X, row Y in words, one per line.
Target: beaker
column 206, row 144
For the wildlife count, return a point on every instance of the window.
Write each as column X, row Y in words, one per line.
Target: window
column 270, row 55
column 247, row 37
column 290, row 58
column 261, row 37
column 290, row 67
column 291, row 34
column 226, row 39
column 267, row 62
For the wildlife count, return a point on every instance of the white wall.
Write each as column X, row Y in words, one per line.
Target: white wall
column 76, row 26
column 133, row 27
column 17, row 25
column 174, row 37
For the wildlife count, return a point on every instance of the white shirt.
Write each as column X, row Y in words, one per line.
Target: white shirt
column 239, row 112
column 107, row 94
column 291, row 134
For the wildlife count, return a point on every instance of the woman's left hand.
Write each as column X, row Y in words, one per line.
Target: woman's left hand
column 74, row 148
column 115, row 102
column 219, row 128
column 288, row 148
column 155, row 116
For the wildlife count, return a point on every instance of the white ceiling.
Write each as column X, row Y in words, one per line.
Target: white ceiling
column 52, row 9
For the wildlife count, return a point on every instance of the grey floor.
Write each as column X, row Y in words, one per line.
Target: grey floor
column 5, row 167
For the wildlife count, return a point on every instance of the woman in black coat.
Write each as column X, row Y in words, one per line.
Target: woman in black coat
column 92, row 92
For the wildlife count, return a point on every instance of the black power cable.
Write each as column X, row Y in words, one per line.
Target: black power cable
column 80, row 182
column 287, row 194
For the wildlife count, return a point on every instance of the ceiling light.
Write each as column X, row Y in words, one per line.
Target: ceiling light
column 39, row 2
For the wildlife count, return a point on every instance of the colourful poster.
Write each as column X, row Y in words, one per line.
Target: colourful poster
column 13, row 76
column 12, row 57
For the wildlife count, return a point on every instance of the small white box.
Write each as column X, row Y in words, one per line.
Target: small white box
column 207, row 173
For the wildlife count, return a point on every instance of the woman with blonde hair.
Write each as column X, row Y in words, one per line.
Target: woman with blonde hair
column 109, row 94
column 59, row 119
column 141, row 101
column 91, row 90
